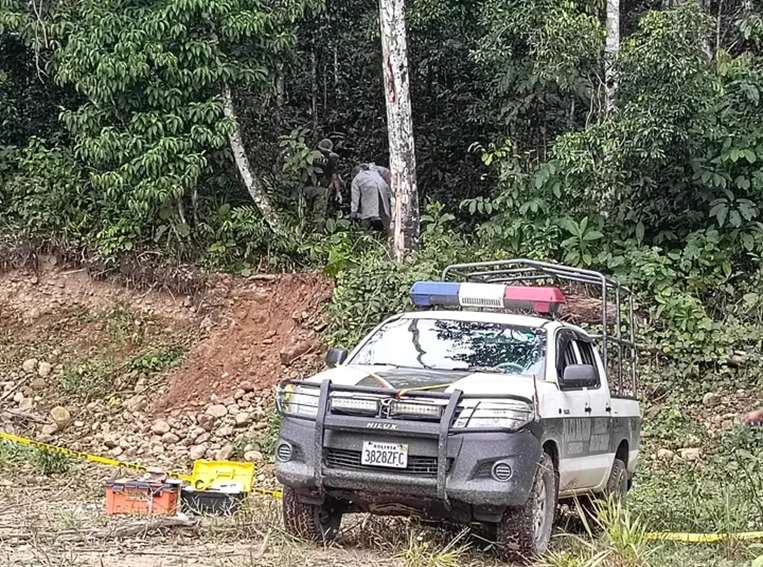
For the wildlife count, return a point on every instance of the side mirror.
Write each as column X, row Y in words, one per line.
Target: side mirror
column 580, row 376
column 335, row 357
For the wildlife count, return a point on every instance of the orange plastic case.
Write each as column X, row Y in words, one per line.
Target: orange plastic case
column 142, row 497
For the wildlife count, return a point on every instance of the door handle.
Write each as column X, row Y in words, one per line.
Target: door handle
column 588, row 409
column 608, row 409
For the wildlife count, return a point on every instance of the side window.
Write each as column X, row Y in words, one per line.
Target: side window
column 566, row 355
column 587, row 357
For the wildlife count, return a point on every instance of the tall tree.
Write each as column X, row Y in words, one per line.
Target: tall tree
column 610, row 52
column 404, row 229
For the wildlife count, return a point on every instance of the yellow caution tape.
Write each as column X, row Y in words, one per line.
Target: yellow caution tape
column 278, row 494
column 703, row 538
column 107, row 461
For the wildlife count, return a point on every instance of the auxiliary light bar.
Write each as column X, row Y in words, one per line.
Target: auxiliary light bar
column 545, row 300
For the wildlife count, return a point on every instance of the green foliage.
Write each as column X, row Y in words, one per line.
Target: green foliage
column 700, row 498
column 45, row 461
column 51, row 462
column 88, row 381
column 158, row 360
column 371, row 286
column 45, row 194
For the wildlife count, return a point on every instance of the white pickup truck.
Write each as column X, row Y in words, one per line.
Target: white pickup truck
column 466, row 412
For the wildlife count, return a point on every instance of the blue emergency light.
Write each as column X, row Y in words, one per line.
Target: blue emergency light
column 427, row 294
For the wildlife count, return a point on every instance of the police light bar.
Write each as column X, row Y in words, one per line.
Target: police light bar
column 539, row 299
column 544, row 300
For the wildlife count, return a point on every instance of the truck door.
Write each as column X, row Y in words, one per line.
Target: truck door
column 574, row 420
column 600, row 452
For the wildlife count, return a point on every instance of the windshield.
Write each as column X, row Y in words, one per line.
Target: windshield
column 445, row 344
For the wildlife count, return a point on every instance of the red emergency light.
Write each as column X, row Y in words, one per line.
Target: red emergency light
column 544, row 300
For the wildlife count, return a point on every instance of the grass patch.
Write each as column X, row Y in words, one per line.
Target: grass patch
column 158, row 360
column 724, row 493
column 123, row 325
column 46, row 462
column 88, row 381
column 424, row 552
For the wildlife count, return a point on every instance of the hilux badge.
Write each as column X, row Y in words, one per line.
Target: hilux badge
column 377, row 425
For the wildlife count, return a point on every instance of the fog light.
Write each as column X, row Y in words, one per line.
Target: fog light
column 502, row 471
column 284, row 452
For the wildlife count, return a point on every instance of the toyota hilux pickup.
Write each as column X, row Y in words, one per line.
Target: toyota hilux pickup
column 484, row 405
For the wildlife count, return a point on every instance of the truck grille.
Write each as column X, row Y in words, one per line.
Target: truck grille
column 347, row 459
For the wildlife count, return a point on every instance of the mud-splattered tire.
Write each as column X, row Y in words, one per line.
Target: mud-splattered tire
column 617, row 487
column 617, row 484
column 525, row 532
column 313, row 522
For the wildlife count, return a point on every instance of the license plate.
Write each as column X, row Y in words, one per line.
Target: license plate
column 392, row 455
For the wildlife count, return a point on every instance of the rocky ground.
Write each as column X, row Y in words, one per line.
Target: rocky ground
column 147, row 376
column 158, row 379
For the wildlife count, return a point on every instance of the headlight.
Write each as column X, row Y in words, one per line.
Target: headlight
column 494, row 414
column 354, row 406
column 298, row 401
column 415, row 410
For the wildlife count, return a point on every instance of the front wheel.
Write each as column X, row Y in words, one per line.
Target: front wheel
column 525, row 532
column 314, row 522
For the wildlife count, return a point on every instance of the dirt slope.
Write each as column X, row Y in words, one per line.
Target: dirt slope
column 271, row 326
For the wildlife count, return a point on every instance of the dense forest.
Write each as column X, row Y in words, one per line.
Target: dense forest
column 621, row 136
column 538, row 133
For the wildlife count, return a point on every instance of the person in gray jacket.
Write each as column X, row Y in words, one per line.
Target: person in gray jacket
column 371, row 197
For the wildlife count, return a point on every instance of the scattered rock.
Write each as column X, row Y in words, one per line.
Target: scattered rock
column 225, row 431
column 197, row 452
column 711, row 399
column 294, row 351
column 29, row 365
column 738, row 359
column 44, row 369
column 110, row 442
column 243, row 418
column 61, row 417
column 49, row 429
column 254, row 456
column 170, row 438
column 206, row 422
column 26, row 405
column 116, row 451
column 225, row 453
column 238, row 394
column 202, row 438
column 217, row 410
column 690, row 454
column 160, row 427
column 18, row 397
column 246, row 386
column 665, row 454
column 38, row 384
column 135, row 403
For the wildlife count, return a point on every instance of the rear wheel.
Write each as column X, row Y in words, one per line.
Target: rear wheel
column 616, row 488
column 525, row 532
column 617, row 485
column 314, row 522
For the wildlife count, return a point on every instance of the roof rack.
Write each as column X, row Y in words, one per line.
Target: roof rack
column 618, row 329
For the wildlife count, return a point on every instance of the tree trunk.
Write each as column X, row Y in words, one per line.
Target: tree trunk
column 610, row 53
column 253, row 185
column 280, row 87
column 404, row 227
column 314, row 90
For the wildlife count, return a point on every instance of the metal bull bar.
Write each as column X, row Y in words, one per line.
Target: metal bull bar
column 440, row 429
